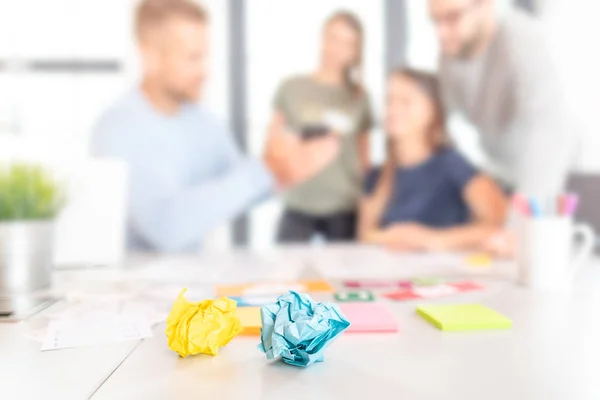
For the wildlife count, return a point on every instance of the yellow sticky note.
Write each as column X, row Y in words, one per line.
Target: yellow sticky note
column 463, row 317
column 479, row 260
column 201, row 327
column 250, row 320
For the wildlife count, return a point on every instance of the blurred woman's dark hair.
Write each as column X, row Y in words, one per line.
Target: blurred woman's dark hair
column 429, row 84
column 353, row 73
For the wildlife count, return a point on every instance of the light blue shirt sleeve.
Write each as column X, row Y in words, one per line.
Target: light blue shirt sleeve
column 167, row 212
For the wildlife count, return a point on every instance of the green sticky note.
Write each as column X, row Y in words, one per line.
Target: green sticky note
column 427, row 281
column 464, row 317
column 361, row 295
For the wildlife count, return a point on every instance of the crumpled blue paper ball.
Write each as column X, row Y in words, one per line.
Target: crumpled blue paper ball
column 298, row 329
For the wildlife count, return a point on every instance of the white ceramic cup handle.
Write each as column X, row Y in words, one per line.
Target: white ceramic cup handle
column 589, row 241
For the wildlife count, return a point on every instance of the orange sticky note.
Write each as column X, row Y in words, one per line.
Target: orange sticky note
column 250, row 320
column 271, row 288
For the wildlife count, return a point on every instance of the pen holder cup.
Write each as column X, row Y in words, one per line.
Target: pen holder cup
column 550, row 250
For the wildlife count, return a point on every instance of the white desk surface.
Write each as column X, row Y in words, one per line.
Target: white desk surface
column 552, row 352
column 27, row 373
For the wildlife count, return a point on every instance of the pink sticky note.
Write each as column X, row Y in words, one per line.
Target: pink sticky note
column 466, row 286
column 434, row 291
column 369, row 317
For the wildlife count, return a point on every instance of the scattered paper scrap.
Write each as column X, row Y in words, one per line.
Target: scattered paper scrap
column 359, row 295
column 431, row 292
column 94, row 330
column 299, row 330
column 201, row 327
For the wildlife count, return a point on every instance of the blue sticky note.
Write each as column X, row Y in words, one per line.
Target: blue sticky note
column 298, row 329
column 253, row 301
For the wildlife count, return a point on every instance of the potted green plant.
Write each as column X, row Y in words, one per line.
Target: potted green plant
column 30, row 200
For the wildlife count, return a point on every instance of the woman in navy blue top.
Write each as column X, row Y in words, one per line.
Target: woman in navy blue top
column 426, row 196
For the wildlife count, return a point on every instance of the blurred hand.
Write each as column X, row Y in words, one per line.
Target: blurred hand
column 293, row 161
column 408, row 236
column 502, row 244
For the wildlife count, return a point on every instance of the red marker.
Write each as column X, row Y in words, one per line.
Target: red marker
column 561, row 204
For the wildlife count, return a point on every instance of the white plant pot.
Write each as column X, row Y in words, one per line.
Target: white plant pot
column 26, row 249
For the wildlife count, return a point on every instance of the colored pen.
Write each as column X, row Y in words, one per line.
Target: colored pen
column 571, row 203
column 561, row 204
column 536, row 210
column 521, row 204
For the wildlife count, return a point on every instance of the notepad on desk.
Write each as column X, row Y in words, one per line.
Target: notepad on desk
column 464, row 317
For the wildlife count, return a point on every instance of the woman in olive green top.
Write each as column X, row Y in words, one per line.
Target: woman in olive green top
column 329, row 100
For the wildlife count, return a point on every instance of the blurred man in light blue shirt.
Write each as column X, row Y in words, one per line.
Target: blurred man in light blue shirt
column 186, row 174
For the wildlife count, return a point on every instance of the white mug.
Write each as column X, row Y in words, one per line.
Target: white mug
column 546, row 254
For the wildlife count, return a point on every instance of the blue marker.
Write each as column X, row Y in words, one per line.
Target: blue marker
column 536, row 210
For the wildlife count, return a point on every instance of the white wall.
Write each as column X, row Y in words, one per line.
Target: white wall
column 58, row 108
column 50, row 116
column 573, row 31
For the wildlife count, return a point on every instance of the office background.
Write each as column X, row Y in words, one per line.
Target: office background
column 63, row 61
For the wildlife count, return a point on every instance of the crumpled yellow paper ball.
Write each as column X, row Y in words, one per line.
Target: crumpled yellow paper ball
column 201, row 327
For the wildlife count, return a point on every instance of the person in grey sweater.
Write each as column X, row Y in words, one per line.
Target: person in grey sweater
column 498, row 73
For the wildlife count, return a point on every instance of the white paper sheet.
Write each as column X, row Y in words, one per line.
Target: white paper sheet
column 95, row 329
column 376, row 263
